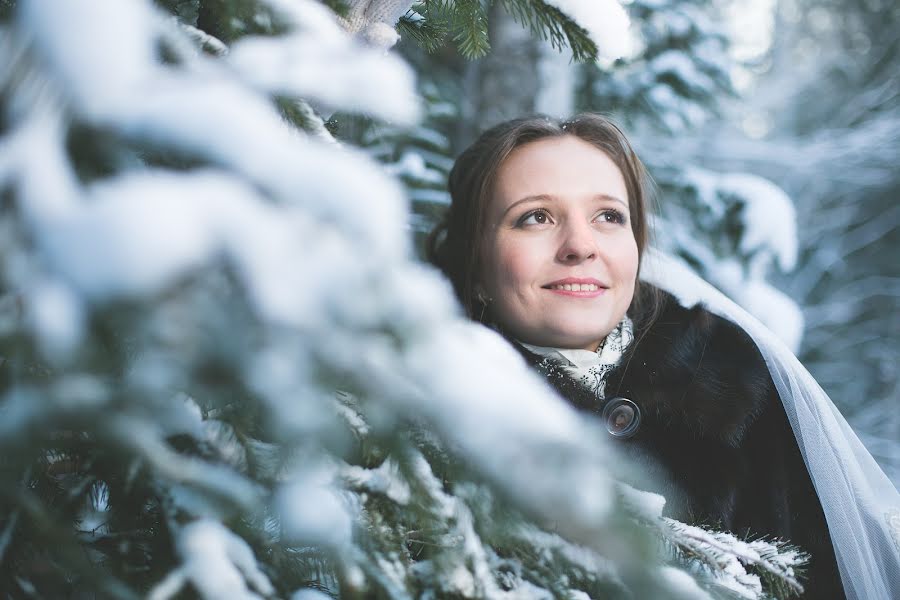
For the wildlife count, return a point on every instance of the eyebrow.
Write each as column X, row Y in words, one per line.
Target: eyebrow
column 545, row 197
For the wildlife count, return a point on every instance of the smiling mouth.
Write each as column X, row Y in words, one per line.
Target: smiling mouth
column 575, row 287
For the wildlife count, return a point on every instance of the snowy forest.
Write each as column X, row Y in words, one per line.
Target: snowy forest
column 228, row 371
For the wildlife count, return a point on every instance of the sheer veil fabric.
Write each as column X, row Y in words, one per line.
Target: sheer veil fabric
column 862, row 506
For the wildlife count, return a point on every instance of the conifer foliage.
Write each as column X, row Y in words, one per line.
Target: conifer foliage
column 430, row 22
column 224, row 373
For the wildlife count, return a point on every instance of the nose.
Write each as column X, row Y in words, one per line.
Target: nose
column 578, row 243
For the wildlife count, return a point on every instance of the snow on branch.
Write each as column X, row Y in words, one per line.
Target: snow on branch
column 605, row 21
column 217, row 563
column 733, row 564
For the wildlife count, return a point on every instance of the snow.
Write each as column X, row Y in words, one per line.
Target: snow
column 785, row 560
column 39, row 164
column 766, row 236
column 679, row 24
column 431, row 137
column 461, row 581
column 137, row 233
column 220, row 564
column 222, row 436
column 646, row 505
column 352, row 417
column 606, row 22
column 526, row 589
column 190, row 476
column 312, row 511
column 182, row 416
column 309, row 594
column 57, row 316
column 110, row 79
column 301, row 65
column 768, row 219
column 164, row 106
column 774, row 308
column 676, row 112
column 442, row 503
column 384, row 480
column 93, row 516
column 309, row 17
column 412, row 164
column 305, row 66
column 710, row 53
column 578, row 556
column 727, row 556
column 499, row 414
column 768, row 216
column 682, row 585
column 680, row 65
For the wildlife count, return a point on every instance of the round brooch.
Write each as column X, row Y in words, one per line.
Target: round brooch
column 622, row 417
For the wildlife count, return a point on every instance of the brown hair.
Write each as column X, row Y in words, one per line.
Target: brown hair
column 455, row 244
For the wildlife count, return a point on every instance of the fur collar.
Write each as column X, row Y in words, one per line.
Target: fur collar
column 694, row 370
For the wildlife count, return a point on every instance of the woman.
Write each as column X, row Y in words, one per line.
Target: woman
column 544, row 241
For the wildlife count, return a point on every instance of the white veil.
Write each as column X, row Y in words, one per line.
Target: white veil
column 861, row 505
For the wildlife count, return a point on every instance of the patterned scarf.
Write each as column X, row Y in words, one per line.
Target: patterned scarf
column 591, row 368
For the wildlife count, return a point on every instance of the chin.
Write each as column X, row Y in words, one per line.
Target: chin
column 563, row 331
column 574, row 338
column 578, row 331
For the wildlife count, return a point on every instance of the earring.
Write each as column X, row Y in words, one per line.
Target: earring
column 484, row 300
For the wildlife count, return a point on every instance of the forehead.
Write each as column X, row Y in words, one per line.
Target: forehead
column 564, row 166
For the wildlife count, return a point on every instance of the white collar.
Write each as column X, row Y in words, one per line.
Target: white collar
column 591, row 368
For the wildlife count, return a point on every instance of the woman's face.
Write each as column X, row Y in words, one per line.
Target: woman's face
column 560, row 260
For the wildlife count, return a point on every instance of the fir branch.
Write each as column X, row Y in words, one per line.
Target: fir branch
column 734, row 564
column 777, row 563
column 550, row 23
column 301, row 115
column 48, row 529
column 467, row 20
column 428, row 33
column 185, row 10
column 339, row 7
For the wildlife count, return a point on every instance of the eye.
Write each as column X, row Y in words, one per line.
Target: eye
column 535, row 217
column 612, row 215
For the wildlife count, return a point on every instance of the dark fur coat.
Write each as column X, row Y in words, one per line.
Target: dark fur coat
column 714, row 435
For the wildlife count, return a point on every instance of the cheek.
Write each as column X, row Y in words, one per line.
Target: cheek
column 511, row 264
column 624, row 260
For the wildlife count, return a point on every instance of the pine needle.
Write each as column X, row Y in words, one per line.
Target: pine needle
column 466, row 20
column 430, row 34
column 552, row 24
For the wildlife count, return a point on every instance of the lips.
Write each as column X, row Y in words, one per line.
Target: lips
column 576, row 285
